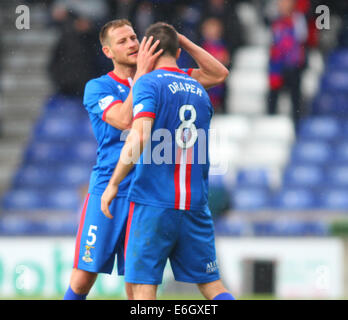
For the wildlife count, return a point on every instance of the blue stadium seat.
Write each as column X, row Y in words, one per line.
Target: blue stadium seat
column 340, row 153
column 64, row 200
column 337, row 176
column 320, row 128
column 314, row 152
column 335, row 81
column 338, row 60
column 334, row 199
column 84, row 151
column 52, row 129
column 250, row 199
column 253, row 178
column 295, row 199
column 48, row 152
column 34, row 176
column 303, row 176
column 72, row 175
column 13, row 226
column 227, row 227
column 24, row 199
column 290, row 228
column 61, row 102
column 330, row 104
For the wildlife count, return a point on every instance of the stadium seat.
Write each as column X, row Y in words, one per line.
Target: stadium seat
column 334, row 199
column 337, row 176
column 12, row 225
column 253, row 178
column 313, row 152
column 303, row 176
column 74, row 175
column 295, row 199
column 338, row 60
column 24, row 199
column 340, row 153
column 330, row 104
column 250, row 199
column 335, row 81
column 290, row 228
column 63, row 200
column 265, row 154
column 59, row 102
column 227, row 227
column 321, row 128
column 223, row 157
column 229, row 129
column 32, row 176
column 84, row 151
column 273, row 128
column 57, row 129
column 47, row 153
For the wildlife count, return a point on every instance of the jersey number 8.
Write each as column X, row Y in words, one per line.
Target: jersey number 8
column 185, row 126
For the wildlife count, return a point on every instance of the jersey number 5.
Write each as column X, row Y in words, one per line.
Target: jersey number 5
column 182, row 137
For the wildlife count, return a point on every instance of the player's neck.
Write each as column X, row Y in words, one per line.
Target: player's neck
column 123, row 71
column 166, row 62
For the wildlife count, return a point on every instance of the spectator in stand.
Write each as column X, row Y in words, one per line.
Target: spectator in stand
column 75, row 56
column 287, row 57
column 187, row 23
column 121, row 9
column 226, row 12
column 144, row 15
column 95, row 11
column 212, row 42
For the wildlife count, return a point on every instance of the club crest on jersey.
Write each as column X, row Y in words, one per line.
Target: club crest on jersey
column 105, row 102
column 87, row 256
column 120, row 88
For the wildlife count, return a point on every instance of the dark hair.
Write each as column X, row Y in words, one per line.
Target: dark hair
column 103, row 34
column 167, row 35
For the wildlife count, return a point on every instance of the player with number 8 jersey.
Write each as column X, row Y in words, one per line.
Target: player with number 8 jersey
column 182, row 111
column 169, row 216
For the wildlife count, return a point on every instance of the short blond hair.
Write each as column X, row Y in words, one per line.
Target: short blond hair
column 118, row 23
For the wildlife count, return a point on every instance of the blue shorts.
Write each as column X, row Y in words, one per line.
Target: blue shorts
column 99, row 239
column 185, row 237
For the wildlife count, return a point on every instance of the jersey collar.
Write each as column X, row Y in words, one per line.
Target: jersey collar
column 126, row 82
column 173, row 69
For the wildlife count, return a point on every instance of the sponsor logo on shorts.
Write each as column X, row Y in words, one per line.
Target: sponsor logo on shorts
column 212, row 266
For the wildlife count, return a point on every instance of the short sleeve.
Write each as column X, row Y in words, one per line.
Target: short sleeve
column 99, row 98
column 144, row 99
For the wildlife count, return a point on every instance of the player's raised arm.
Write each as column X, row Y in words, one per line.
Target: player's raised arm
column 130, row 154
column 210, row 71
column 120, row 115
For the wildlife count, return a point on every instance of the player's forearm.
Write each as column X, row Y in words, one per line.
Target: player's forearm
column 211, row 71
column 129, row 156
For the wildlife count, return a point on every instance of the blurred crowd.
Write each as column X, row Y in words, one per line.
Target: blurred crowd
column 77, row 57
column 213, row 24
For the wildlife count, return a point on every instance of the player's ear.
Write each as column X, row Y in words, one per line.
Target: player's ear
column 178, row 54
column 107, row 51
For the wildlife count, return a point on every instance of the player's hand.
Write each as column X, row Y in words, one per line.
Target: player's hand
column 146, row 57
column 109, row 194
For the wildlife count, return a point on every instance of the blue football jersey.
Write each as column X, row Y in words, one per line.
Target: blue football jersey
column 173, row 169
column 100, row 95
